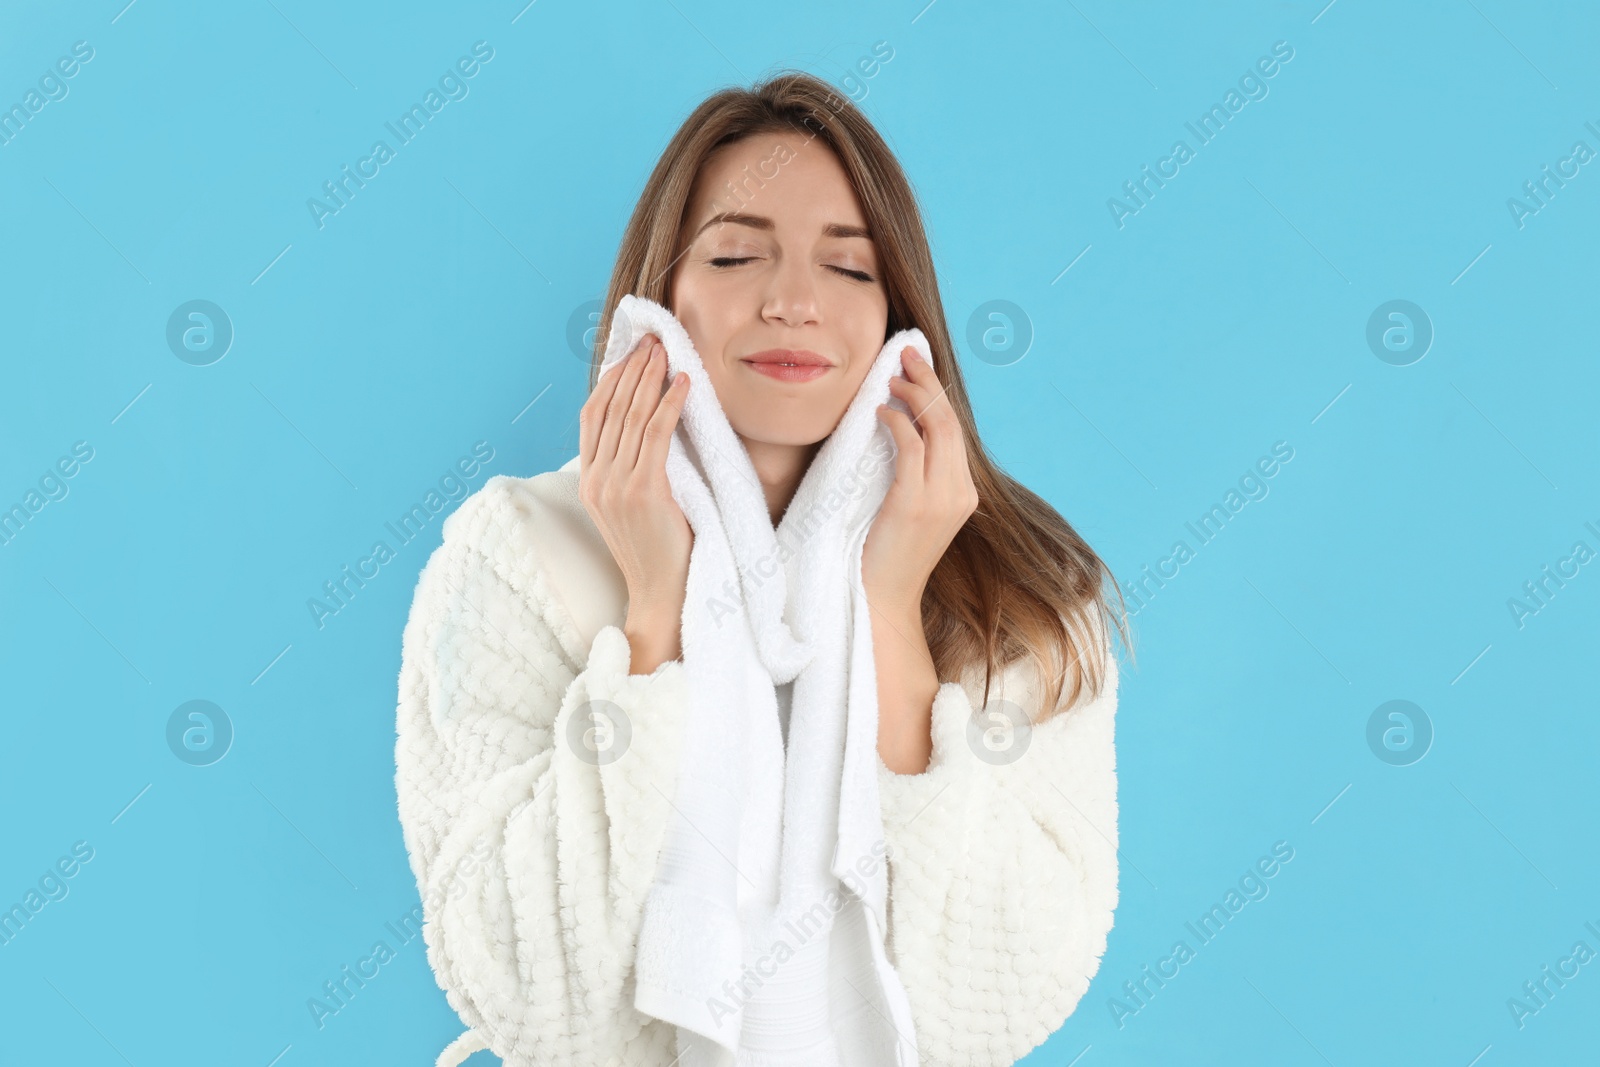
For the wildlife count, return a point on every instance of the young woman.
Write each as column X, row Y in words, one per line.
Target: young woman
column 781, row 232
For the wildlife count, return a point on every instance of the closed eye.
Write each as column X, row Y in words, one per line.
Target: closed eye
column 733, row 261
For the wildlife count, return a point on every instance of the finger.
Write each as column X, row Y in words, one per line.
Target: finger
column 658, row 433
column 613, row 374
column 646, row 398
column 643, row 344
column 947, row 463
column 926, row 422
column 919, row 398
column 920, row 376
column 933, row 413
column 615, row 411
column 948, row 479
column 591, row 419
column 592, row 414
column 908, row 460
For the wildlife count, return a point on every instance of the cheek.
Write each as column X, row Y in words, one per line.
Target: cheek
column 717, row 376
column 690, row 303
column 707, row 319
column 709, row 308
column 863, row 335
column 858, row 373
column 863, row 321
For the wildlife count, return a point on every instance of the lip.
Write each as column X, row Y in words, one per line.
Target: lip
column 788, row 364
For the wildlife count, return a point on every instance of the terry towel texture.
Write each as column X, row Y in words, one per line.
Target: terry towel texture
column 759, row 842
column 544, row 869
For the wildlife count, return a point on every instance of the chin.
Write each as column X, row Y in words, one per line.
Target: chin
column 795, row 436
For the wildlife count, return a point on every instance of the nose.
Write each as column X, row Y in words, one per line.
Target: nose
column 792, row 296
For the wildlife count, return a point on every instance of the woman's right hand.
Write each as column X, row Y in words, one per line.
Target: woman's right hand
column 624, row 429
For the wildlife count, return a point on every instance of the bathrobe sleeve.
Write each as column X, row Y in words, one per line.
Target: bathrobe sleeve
column 532, row 796
column 1002, row 871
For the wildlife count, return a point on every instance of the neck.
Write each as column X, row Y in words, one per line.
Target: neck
column 780, row 469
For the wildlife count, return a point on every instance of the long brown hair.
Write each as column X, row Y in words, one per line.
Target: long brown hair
column 1017, row 580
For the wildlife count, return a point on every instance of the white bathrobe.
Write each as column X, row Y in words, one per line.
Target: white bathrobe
column 533, row 862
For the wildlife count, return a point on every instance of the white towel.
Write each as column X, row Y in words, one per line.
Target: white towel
column 761, row 840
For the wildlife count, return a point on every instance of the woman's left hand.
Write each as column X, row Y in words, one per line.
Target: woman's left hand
column 932, row 495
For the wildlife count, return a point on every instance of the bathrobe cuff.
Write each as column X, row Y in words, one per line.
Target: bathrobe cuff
column 1002, row 871
column 631, row 727
column 942, row 788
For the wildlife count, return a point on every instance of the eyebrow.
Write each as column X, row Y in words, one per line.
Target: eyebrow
column 761, row 222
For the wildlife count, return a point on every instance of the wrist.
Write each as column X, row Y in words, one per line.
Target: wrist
column 653, row 633
column 898, row 603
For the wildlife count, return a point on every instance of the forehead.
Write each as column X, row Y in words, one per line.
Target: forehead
column 783, row 176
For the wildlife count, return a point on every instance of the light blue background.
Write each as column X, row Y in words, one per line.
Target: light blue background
column 1228, row 314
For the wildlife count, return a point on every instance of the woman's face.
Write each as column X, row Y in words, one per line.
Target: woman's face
column 779, row 266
